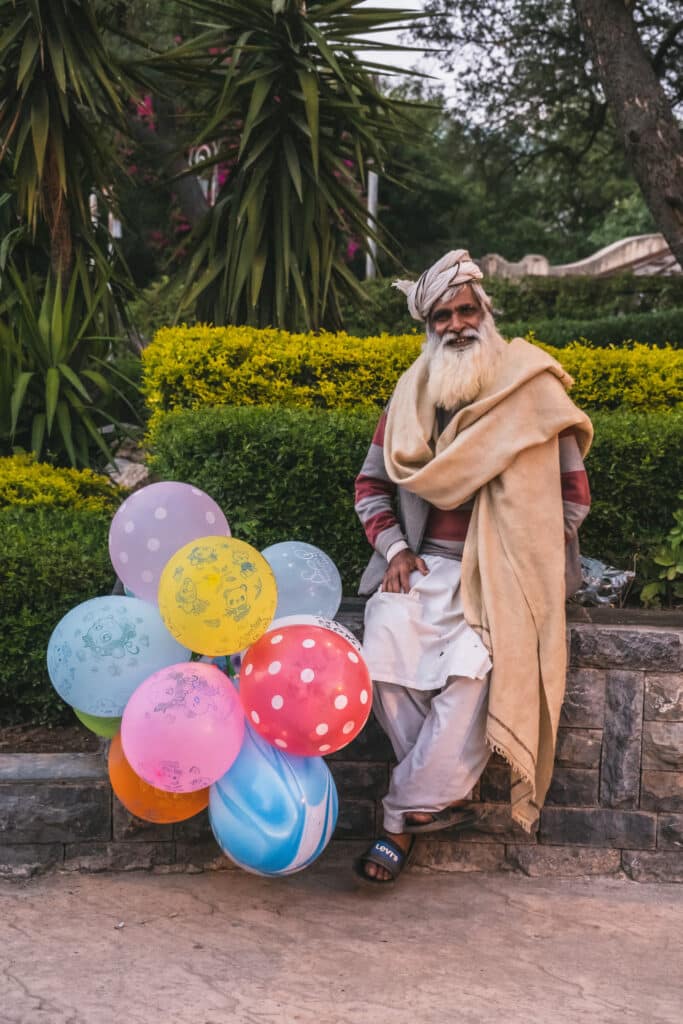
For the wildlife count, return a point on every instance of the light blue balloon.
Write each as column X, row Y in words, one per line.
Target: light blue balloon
column 102, row 650
column 308, row 581
column 273, row 813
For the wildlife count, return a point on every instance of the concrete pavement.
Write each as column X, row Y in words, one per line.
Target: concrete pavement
column 231, row 948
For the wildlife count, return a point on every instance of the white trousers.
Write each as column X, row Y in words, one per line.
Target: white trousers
column 439, row 738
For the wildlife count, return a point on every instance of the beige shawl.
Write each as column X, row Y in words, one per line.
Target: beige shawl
column 503, row 448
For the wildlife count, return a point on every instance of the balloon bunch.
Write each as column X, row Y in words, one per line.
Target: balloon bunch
column 154, row 671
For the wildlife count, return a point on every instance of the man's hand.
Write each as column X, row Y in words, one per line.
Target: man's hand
column 397, row 577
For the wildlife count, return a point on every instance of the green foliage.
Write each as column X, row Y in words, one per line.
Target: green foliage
column 56, row 382
column 52, row 560
column 281, row 474
column 667, row 588
column 658, row 328
column 157, row 306
column 306, row 117
column 25, row 483
column 192, row 367
column 529, row 302
column 285, row 474
column 63, row 94
column 635, row 474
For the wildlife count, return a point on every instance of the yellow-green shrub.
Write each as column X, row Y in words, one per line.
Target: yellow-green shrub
column 193, row 367
column 30, row 484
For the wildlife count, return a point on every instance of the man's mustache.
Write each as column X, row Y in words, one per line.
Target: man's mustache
column 467, row 334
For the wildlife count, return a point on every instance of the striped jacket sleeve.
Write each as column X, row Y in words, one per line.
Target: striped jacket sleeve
column 375, row 499
column 576, row 496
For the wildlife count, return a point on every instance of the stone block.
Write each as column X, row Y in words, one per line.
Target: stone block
column 628, row 830
column 52, row 767
column 494, row 785
column 360, row 779
column 127, row 828
column 194, row 829
column 563, row 861
column 664, row 698
column 117, row 856
column 661, row 791
column 663, row 746
column 621, row 740
column 204, row 855
column 444, row 856
column 578, row 748
column 670, row 832
column 584, row 699
column 371, row 745
column 51, row 812
column 494, row 824
column 574, row 787
column 23, row 860
column 357, row 820
column 654, row 649
column 643, row 866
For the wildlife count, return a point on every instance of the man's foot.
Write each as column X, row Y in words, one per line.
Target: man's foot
column 391, row 849
column 457, row 815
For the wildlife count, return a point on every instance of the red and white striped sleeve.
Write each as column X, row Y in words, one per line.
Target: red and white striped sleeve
column 375, row 499
column 576, row 495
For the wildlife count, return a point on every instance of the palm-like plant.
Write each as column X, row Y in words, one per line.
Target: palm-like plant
column 61, row 95
column 53, row 392
column 298, row 116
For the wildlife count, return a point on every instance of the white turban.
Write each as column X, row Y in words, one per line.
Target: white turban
column 455, row 268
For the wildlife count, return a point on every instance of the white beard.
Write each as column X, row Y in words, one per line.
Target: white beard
column 458, row 376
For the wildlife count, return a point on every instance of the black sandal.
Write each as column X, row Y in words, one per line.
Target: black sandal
column 386, row 854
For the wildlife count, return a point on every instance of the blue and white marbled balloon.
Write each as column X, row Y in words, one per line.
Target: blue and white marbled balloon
column 102, row 650
column 273, row 813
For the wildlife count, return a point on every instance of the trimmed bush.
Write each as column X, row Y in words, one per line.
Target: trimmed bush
column 26, row 483
column 52, row 559
column 282, row 474
column 531, row 300
column 658, row 328
column 193, row 367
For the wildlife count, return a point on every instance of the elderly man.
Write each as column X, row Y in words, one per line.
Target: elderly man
column 472, row 493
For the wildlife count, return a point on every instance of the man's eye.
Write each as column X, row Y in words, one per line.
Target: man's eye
column 439, row 318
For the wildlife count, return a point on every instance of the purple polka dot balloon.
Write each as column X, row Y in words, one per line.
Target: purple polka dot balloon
column 155, row 522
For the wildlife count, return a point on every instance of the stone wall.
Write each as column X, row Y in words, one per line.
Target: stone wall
column 640, row 254
column 615, row 804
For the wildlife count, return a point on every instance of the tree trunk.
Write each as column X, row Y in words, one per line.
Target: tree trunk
column 644, row 118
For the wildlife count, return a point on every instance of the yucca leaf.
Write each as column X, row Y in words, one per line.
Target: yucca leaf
column 74, row 380
column 64, row 425
column 38, row 433
column 309, row 87
column 28, row 53
column 293, row 165
column 99, row 380
column 51, row 395
column 18, row 394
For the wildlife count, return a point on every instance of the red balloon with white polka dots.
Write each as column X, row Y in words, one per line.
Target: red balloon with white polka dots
column 305, row 689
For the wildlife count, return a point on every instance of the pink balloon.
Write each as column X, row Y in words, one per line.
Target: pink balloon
column 305, row 689
column 155, row 522
column 183, row 727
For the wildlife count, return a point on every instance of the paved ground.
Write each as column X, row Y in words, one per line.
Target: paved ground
column 231, row 948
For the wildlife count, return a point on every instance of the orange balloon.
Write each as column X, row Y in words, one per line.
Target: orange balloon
column 145, row 801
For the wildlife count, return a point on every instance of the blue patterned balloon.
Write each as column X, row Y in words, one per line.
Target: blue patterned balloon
column 273, row 813
column 102, row 650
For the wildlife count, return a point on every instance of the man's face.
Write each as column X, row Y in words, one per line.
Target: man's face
column 459, row 316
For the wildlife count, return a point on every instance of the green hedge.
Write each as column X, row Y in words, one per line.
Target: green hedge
column 288, row 474
column 52, row 559
column 652, row 328
column 531, row 300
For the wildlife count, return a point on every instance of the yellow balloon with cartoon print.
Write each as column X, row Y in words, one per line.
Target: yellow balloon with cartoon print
column 217, row 595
